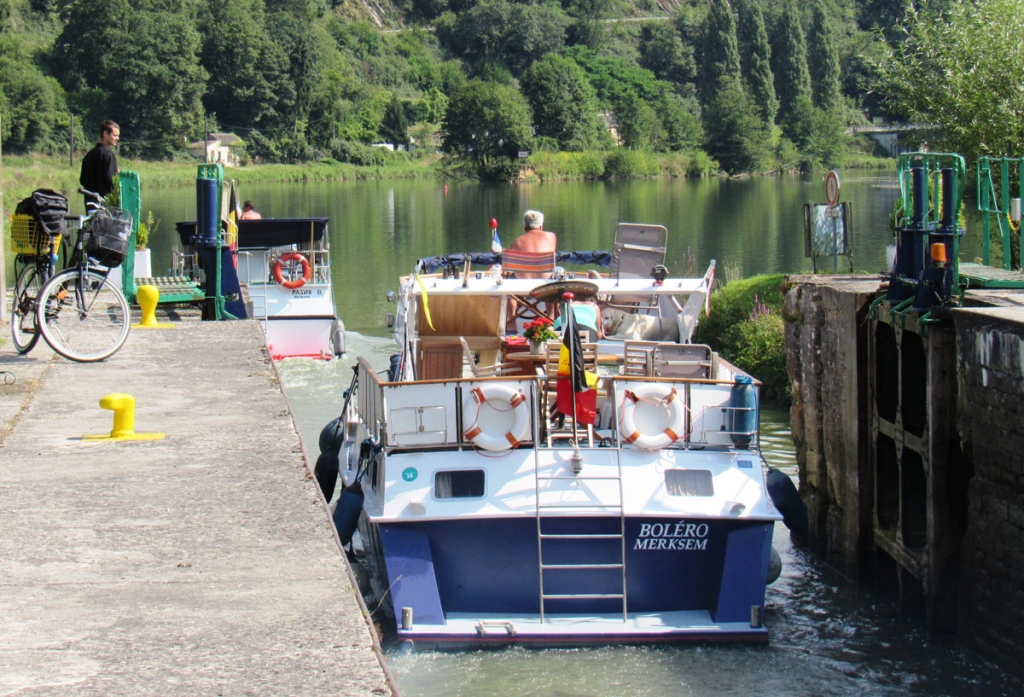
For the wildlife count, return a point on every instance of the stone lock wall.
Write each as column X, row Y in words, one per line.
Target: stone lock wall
column 990, row 422
column 827, row 332
column 829, row 352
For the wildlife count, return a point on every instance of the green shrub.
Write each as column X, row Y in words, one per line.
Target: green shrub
column 701, row 165
column 746, row 327
column 624, row 163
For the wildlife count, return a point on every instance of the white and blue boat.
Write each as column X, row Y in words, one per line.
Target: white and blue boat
column 489, row 518
column 276, row 271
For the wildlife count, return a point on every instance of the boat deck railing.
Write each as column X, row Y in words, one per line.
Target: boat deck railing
column 255, row 266
column 417, row 415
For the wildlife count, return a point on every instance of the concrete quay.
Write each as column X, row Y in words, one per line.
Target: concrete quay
column 205, row 563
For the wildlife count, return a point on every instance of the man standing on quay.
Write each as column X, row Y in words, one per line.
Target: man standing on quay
column 100, row 164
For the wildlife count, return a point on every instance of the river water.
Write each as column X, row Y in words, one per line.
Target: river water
column 828, row 635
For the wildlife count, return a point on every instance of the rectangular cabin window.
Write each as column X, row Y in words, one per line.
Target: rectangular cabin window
column 459, row 484
column 689, row 483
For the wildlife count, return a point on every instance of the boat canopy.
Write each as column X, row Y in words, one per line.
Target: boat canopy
column 268, row 232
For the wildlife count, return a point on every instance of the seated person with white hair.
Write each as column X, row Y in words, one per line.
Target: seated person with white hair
column 534, row 239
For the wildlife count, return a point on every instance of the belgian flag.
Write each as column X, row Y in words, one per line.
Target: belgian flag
column 575, row 388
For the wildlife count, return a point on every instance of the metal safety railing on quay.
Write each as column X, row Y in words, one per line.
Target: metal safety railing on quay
column 995, row 176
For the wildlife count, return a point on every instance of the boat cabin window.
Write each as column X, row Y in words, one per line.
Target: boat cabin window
column 459, row 484
column 689, row 483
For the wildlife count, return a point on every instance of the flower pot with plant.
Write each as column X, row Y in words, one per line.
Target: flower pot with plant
column 538, row 332
column 143, row 264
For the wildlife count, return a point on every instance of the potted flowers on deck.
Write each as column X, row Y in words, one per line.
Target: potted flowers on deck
column 538, row 332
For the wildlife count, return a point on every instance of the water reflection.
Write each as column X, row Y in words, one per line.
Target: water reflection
column 379, row 228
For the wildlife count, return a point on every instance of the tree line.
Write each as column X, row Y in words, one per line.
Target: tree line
column 741, row 85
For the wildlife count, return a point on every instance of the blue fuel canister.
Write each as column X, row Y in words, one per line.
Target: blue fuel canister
column 743, row 407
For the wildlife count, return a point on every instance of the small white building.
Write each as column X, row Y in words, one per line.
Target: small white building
column 219, row 147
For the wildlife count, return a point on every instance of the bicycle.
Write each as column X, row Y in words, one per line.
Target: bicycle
column 80, row 313
column 38, row 262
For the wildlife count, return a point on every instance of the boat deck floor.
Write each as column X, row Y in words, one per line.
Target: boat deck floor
column 574, row 630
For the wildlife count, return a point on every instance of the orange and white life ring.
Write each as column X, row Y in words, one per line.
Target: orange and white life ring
column 292, row 256
column 652, row 429
column 495, row 434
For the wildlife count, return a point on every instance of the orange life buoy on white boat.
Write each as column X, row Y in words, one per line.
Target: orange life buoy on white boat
column 652, row 432
column 500, row 398
column 292, row 256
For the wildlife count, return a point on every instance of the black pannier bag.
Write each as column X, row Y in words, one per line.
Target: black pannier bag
column 109, row 232
column 49, row 209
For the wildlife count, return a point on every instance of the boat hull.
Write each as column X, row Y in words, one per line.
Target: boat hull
column 479, row 581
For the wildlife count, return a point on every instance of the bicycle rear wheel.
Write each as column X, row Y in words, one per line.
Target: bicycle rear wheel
column 23, row 314
column 83, row 316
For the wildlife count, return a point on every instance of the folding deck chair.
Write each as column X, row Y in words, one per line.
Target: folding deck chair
column 535, row 265
column 637, row 249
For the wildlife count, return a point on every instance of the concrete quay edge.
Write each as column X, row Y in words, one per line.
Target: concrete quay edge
column 204, row 563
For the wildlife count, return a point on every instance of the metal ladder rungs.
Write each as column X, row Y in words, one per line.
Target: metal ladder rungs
column 603, row 506
column 581, row 566
column 581, row 536
column 584, row 596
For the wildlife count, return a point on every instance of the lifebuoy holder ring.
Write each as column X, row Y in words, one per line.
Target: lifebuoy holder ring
column 279, row 274
column 646, row 435
column 501, row 398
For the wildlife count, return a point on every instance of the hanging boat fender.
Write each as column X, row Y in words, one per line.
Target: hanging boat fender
column 395, row 368
column 332, row 436
column 326, row 473
column 774, row 567
column 338, row 347
column 787, row 499
column 346, row 515
column 279, row 274
column 500, row 398
column 650, row 433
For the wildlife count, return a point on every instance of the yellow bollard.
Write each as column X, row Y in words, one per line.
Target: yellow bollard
column 123, row 406
column 148, row 297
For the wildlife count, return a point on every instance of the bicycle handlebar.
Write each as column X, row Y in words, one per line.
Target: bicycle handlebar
column 91, row 194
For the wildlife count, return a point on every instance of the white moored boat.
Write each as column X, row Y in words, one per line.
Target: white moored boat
column 274, row 270
column 285, row 264
column 488, row 517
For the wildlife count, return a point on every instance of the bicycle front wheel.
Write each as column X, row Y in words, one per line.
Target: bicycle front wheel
column 23, row 314
column 83, row 316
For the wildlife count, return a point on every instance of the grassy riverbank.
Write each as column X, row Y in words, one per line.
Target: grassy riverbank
column 24, row 174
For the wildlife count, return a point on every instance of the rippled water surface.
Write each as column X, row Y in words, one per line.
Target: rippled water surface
column 828, row 635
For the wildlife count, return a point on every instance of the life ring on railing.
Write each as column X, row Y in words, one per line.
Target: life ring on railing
column 648, row 435
column 292, row 256
column 501, row 398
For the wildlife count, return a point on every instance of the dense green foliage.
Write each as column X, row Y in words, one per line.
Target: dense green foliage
column 752, row 85
column 958, row 73
column 746, row 326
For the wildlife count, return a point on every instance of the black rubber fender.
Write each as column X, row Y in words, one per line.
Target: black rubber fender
column 326, row 472
column 787, row 499
column 332, row 437
column 774, row 566
column 346, row 515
